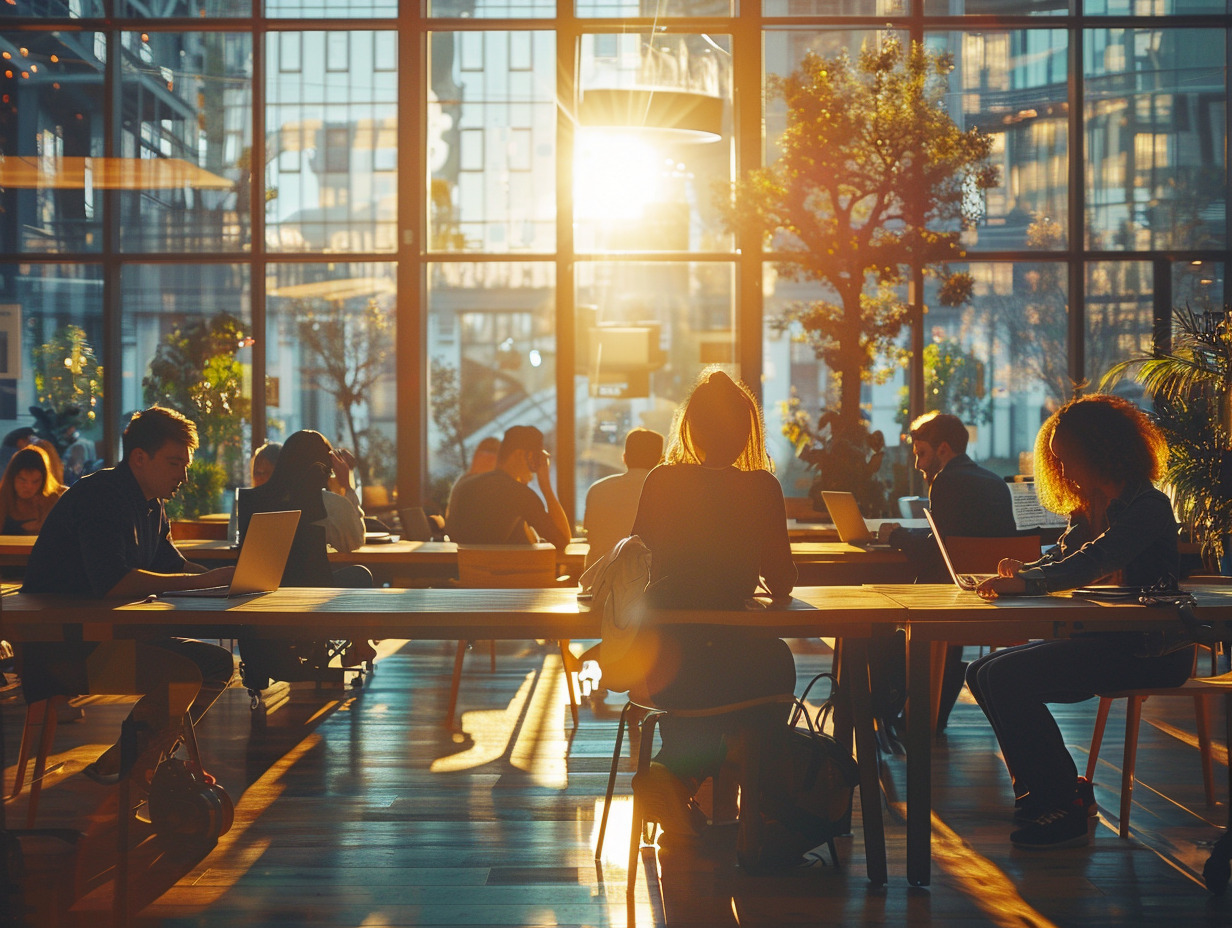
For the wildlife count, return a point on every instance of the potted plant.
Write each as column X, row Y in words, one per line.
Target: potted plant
column 1191, row 386
column 844, row 458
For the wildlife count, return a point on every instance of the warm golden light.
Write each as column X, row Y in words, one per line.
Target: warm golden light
column 70, row 173
column 618, row 175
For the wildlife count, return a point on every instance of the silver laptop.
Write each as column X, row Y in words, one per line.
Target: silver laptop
column 845, row 514
column 263, row 557
column 963, row 581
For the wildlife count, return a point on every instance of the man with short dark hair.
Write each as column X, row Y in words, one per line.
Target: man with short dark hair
column 611, row 503
column 964, row 499
column 109, row 536
column 499, row 508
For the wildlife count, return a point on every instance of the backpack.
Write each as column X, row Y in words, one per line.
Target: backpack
column 616, row 584
column 807, row 790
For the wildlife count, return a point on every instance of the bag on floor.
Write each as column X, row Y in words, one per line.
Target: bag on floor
column 807, row 793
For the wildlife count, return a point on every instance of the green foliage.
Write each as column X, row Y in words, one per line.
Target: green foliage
column 1192, row 389
column 347, row 353
column 195, row 371
column 445, row 400
column 953, row 383
column 873, row 178
column 200, row 492
column 843, row 458
column 68, row 383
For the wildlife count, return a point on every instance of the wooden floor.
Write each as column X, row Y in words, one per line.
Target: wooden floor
column 358, row 808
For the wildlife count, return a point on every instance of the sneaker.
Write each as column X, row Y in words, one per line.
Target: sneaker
column 1026, row 811
column 1065, row 826
column 665, row 798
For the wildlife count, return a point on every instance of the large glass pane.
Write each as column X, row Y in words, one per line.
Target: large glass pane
column 1198, row 285
column 53, row 9
column 187, row 336
column 492, row 142
column 492, row 9
column 995, row 8
column 332, row 142
column 661, row 9
column 654, row 142
column 1120, row 314
column 51, row 347
column 1153, row 7
column 1155, row 138
column 180, row 9
column 644, row 333
column 330, row 343
column 1013, row 85
column 491, row 361
column 840, row 8
column 324, row 9
column 51, row 141
column 184, row 171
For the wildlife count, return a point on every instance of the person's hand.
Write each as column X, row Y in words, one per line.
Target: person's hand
column 219, row 576
column 993, row 587
column 1009, row 567
column 343, row 462
column 886, row 530
column 544, row 472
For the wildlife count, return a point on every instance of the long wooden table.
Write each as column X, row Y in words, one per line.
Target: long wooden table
column 943, row 614
column 850, row 613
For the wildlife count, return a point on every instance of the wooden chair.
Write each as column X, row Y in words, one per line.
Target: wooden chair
column 650, row 713
column 1201, row 689
column 507, row 567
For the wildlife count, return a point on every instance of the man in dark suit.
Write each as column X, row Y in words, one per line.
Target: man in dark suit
column 965, row 499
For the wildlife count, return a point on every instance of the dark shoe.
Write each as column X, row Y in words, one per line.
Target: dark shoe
column 1066, row 826
column 1086, row 792
column 666, row 799
column 97, row 774
column 1026, row 811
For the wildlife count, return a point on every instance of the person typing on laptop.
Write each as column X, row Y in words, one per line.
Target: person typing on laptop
column 1095, row 460
column 109, row 536
column 964, row 499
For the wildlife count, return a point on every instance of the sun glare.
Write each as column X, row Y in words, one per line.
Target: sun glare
column 617, row 175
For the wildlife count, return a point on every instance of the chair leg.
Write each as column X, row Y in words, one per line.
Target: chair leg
column 611, row 778
column 455, row 683
column 1133, row 715
column 1202, row 719
column 1097, row 736
column 566, row 661
column 35, row 713
column 40, row 761
column 643, row 765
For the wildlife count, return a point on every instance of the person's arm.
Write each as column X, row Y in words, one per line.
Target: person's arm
column 777, row 568
column 344, row 526
column 138, row 583
column 555, row 528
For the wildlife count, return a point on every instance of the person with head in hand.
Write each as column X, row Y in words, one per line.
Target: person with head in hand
column 109, row 536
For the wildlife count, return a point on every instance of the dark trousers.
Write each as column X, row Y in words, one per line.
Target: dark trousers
column 707, row 666
column 1014, row 686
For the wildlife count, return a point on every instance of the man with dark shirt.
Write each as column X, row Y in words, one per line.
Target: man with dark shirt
column 965, row 499
column 112, row 539
column 499, row 508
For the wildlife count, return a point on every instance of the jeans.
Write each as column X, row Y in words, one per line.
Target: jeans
column 1013, row 687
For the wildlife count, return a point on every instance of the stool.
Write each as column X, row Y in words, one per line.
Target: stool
column 41, row 715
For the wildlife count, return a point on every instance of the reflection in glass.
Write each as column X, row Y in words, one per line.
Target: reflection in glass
column 187, row 100
column 54, row 9
column 324, row 9
column 51, row 343
column 1120, row 318
column 840, row 8
column 664, row 9
column 1155, row 133
column 1153, row 7
column 1013, row 85
column 492, row 9
column 491, row 360
column 51, row 138
column 492, row 142
column 330, row 342
column 332, row 122
column 187, row 335
column 1198, row 285
column 995, row 8
column 654, row 140
column 180, row 9
column 644, row 333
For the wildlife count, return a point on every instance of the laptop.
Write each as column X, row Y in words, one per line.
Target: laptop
column 263, row 557
column 852, row 529
column 963, row 581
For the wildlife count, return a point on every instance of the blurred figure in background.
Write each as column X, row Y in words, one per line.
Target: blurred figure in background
column 484, row 460
column 611, row 503
column 28, row 490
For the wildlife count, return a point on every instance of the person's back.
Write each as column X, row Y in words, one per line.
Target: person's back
column 611, row 503
column 486, row 509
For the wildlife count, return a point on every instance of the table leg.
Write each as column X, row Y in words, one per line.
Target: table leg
column 938, row 671
column 856, row 683
column 919, row 761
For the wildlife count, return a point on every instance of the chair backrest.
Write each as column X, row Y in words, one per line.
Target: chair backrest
column 981, row 555
column 415, row 525
column 506, row 566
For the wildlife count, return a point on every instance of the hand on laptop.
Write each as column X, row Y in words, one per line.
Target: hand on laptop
column 219, row 576
column 1009, row 567
column 1001, row 586
column 886, row 530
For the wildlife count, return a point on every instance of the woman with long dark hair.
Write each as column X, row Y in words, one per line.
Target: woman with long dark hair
column 1095, row 460
column 28, row 490
column 714, row 520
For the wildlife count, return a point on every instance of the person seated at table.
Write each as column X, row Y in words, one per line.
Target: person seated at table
column 28, row 490
column 611, row 503
column 499, row 508
column 14, row 441
column 261, row 467
column 715, row 522
column 1095, row 460
column 965, row 499
column 108, row 536
column 300, row 481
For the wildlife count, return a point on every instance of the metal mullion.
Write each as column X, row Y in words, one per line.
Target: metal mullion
column 1076, row 292
column 113, row 349
column 256, row 231
column 748, row 52
column 568, row 37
